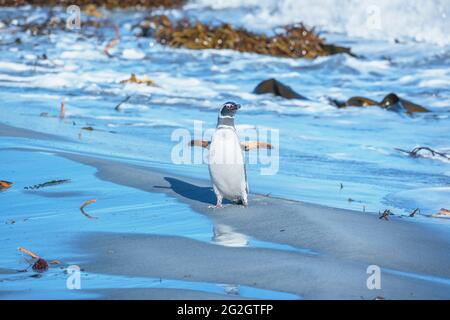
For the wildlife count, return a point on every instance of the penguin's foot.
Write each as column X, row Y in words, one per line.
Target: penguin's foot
column 218, row 202
column 241, row 202
column 245, row 201
column 217, row 206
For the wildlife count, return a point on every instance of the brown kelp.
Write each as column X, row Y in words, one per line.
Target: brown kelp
column 134, row 79
column 5, row 184
column 47, row 184
column 292, row 41
column 110, row 4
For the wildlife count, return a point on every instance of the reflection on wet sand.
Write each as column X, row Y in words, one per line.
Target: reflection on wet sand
column 225, row 236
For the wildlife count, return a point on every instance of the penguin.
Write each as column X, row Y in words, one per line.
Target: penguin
column 226, row 159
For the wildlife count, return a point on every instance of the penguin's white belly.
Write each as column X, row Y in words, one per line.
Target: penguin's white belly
column 226, row 164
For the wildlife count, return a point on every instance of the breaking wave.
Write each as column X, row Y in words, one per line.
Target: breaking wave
column 404, row 20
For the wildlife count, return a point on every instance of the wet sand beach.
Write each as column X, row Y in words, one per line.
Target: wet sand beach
column 323, row 252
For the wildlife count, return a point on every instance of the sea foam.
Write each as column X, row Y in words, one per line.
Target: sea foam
column 404, row 20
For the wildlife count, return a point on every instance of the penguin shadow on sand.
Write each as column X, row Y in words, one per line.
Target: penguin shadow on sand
column 221, row 234
column 189, row 191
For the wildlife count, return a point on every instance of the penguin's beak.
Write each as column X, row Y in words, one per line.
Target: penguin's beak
column 236, row 107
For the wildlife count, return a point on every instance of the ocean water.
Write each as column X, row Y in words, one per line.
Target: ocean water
column 320, row 148
column 386, row 20
column 48, row 222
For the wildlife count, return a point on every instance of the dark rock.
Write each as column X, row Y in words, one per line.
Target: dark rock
column 395, row 103
column 277, row 88
column 353, row 102
column 360, row 102
column 337, row 103
column 391, row 102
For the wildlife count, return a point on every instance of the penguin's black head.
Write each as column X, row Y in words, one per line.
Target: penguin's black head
column 389, row 100
column 229, row 109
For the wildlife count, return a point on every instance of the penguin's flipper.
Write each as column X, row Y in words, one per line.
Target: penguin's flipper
column 200, row 143
column 249, row 145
